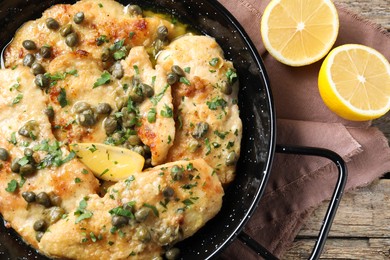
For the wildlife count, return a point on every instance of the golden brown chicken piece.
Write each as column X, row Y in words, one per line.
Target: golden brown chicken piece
column 162, row 206
column 37, row 161
column 205, row 100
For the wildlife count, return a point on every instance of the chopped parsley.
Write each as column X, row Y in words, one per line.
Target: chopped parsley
column 136, row 69
column 12, row 186
column 131, row 35
column 185, row 81
column 62, row 98
column 188, row 202
column 221, row 135
column 231, row 75
column 118, row 49
column 216, row 102
column 208, row 147
column 159, row 96
column 187, row 69
column 166, row 111
column 153, row 208
column 17, row 99
column 125, row 210
column 77, row 180
column 15, row 86
column 13, row 138
column 214, row 61
column 101, row 39
column 105, row 78
column 54, row 154
column 104, row 172
column 151, row 116
column 92, row 148
column 82, row 211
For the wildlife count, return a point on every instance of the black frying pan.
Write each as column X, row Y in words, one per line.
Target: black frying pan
column 256, row 111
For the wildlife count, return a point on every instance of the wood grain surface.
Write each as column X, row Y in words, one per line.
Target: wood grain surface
column 361, row 229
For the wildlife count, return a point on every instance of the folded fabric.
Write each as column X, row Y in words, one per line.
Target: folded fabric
column 298, row 184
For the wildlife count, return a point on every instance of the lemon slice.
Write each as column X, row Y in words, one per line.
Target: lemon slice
column 108, row 162
column 299, row 32
column 354, row 82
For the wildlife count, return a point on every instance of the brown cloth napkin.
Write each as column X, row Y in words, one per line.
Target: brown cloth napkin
column 298, row 184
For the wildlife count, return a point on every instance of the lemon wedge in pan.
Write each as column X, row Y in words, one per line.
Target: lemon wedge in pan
column 108, row 162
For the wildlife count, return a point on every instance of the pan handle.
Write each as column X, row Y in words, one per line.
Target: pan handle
column 332, row 208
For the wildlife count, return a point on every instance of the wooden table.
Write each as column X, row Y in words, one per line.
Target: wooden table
column 361, row 229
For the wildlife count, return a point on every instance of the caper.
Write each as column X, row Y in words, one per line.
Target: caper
column 72, row 39
column 146, row 149
column 168, row 192
column 37, row 68
column 162, row 32
column 43, row 199
column 39, row 225
column 143, row 234
column 128, row 207
column 139, row 149
column 117, row 137
column 55, row 200
column 39, row 235
column 30, row 129
column 117, row 70
column 52, row 24
column 86, row 119
column 142, row 214
column 148, row 163
column 55, row 214
column 110, row 124
column 29, row 45
column 28, row 152
column 158, row 45
column 42, row 81
column 231, row 159
column 226, row 88
column 49, row 112
column 78, row 17
column 193, row 145
column 28, row 60
column 134, row 10
column 4, row 155
column 27, row 169
column 147, row 90
column 105, row 54
column 45, row 52
column 177, row 173
column 134, row 140
column 172, row 253
column 66, row 30
column 172, row 78
column 136, row 94
column 80, row 107
column 28, row 196
column 176, row 69
column 129, row 119
column 103, row 108
column 120, row 102
column 15, row 166
column 168, row 237
column 200, row 130
column 119, row 221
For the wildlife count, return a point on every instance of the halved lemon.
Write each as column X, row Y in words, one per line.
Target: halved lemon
column 108, row 162
column 354, row 82
column 299, row 32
